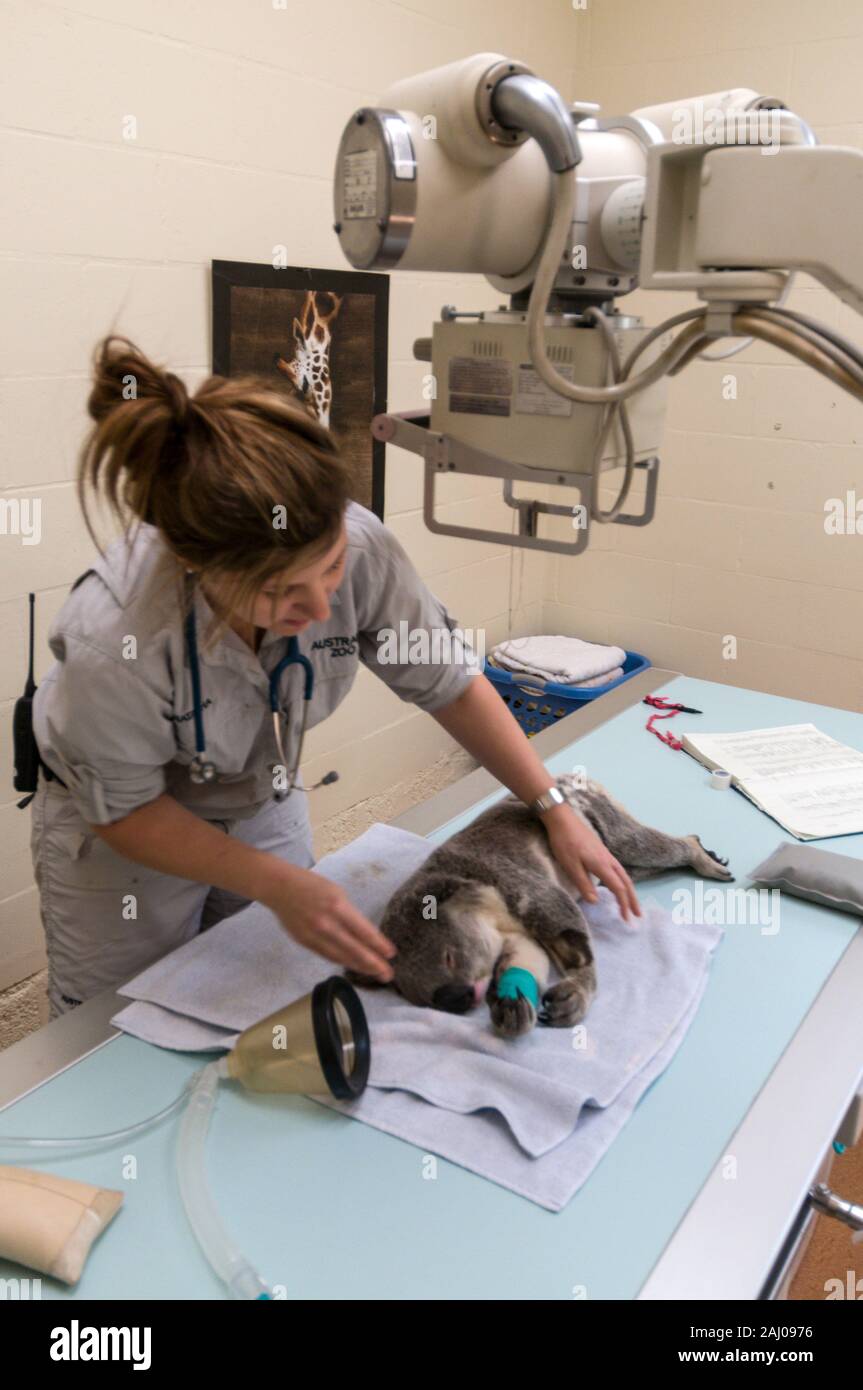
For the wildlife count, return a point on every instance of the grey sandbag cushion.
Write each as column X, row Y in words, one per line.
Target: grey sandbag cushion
column 834, row 880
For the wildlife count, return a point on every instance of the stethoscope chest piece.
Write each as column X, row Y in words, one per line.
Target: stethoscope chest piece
column 200, row 771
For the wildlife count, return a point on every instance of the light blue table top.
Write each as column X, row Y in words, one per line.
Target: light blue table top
column 332, row 1208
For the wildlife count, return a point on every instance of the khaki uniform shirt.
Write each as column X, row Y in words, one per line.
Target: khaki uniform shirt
column 119, row 730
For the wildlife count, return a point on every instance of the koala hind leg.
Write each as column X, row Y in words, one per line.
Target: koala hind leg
column 641, row 849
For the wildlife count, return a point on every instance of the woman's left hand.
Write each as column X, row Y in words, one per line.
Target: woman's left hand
column 580, row 852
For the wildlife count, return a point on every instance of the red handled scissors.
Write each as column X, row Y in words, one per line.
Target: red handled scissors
column 667, row 709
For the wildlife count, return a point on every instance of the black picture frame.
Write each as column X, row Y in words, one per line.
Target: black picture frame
column 254, row 311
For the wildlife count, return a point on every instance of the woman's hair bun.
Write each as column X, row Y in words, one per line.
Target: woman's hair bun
column 122, row 373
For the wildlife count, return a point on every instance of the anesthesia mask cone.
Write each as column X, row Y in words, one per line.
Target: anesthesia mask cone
column 317, row 1044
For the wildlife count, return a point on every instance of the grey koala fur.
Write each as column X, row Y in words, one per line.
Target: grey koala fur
column 493, row 896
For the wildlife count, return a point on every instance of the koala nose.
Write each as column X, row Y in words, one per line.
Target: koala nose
column 453, row 999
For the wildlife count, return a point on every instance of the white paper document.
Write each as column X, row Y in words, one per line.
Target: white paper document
column 808, row 782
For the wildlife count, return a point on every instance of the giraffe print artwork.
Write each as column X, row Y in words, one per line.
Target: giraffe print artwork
column 308, row 369
column 317, row 337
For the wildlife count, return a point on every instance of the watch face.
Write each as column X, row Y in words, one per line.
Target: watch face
column 553, row 797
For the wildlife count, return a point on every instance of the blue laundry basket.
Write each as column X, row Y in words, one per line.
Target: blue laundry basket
column 537, row 704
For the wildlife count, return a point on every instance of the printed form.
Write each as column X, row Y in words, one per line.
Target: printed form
column 808, row 782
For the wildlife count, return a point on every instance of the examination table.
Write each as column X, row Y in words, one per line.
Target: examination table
column 327, row 1207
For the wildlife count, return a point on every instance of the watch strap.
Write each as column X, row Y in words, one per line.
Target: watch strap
column 553, row 797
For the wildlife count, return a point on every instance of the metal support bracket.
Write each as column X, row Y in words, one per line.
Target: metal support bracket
column 411, row 430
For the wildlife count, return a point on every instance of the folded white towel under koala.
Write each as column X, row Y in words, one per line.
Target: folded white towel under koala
column 535, row 1115
column 566, row 660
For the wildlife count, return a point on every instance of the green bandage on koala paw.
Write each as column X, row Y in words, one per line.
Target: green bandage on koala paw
column 515, row 982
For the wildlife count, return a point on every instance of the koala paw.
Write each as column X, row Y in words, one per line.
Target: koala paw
column 511, row 1018
column 705, row 862
column 565, row 1003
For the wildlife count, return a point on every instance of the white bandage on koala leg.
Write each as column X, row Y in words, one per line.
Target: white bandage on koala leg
column 49, row 1223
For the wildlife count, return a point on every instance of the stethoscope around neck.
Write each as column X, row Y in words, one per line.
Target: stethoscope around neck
column 201, row 768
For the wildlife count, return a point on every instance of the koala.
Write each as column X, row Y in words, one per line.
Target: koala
column 493, row 897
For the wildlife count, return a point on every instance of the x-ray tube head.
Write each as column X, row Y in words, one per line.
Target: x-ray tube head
column 401, row 201
column 439, row 176
column 375, row 188
column 453, row 170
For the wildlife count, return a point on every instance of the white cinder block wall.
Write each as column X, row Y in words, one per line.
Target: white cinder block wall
column 239, row 105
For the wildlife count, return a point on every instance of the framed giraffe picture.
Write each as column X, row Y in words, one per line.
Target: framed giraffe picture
column 321, row 337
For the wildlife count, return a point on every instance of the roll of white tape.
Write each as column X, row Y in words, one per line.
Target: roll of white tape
column 720, row 779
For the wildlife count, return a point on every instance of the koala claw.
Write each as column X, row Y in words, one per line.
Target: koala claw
column 564, row 1004
column 512, row 1017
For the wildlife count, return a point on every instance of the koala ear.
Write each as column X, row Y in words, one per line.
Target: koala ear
column 366, row 981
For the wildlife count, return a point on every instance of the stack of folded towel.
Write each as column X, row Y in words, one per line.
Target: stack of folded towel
column 564, row 660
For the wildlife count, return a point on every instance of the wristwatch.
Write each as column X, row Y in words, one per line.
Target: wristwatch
column 553, row 797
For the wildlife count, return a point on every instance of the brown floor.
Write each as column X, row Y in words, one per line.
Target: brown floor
column 830, row 1254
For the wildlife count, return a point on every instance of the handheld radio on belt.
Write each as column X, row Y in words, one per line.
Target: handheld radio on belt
column 26, row 750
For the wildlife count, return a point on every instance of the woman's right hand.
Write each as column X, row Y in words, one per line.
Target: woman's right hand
column 320, row 915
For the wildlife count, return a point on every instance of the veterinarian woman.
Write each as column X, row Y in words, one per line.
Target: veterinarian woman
column 162, row 805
